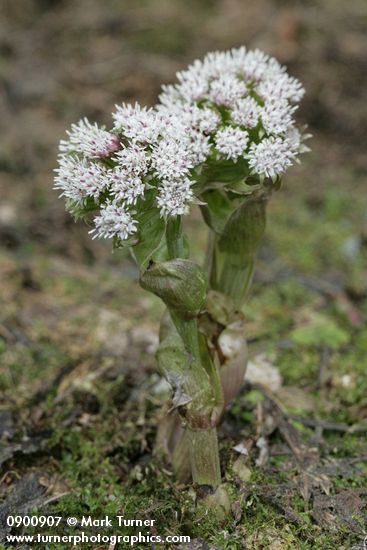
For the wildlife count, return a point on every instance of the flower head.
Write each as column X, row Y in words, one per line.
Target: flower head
column 78, row 178
column 113, row 221
column 133, row 160
column 174, row 197
column 277, row 116
column 124, row 186
column 171, row 159
column 227, row 90
column 191, row 116
column 280, row 86
column 271, row 157
column 246, row 112
column 90, row 140
column 231, row 142
column 136, row 123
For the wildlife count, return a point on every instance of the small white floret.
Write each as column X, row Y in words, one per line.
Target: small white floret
column 227, row 90
column 78, row 178
column 246, row 112
column 90, row 140
column 133, row 159
column 174, row 196
column 255, row 65
column 281, row 86
column 277, row 116
column 171, row 159
column 125, row 186
column 271, row 157
column 136, row 123
column 231, row 142
column 113, row 221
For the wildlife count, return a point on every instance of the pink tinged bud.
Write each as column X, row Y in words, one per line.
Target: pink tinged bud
column 114, row 144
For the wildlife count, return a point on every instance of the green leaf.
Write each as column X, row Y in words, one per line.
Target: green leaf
column 82, row 211
column 320, row 331
column 216, row 210
column 180, row 283
column 151, row 242
column 225, row 171
column 243, row 231
column 242, row 187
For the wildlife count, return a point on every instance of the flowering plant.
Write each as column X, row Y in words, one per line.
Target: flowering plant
column 220, row 138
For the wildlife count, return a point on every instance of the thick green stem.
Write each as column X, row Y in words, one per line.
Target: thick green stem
column 209, row 262
column 236, row 280
column 174, row 238
column 195, row 344
column 181, row 457
column 184, row 357
column 184, row 360
column 188, row 330
column 235, row 247
column 204, row 457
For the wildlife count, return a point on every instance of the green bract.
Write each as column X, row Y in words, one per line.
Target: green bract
column 179, row 283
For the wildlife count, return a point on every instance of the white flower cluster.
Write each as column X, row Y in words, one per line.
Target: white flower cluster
column 114, row 221
column 231, row 105
column 89, row 140
column 257, row 100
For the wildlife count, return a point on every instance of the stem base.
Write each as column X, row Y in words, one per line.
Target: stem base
column 204, row 457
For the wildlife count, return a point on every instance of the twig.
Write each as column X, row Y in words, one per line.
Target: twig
column 54, row 498
column 53, row 383
column 323, row 367
column 329, row 426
